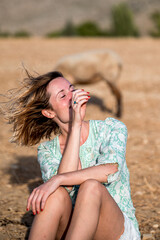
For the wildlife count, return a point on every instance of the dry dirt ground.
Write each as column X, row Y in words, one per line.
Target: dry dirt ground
column 140, row 87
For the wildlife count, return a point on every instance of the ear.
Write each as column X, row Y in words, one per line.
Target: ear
column 48, row 113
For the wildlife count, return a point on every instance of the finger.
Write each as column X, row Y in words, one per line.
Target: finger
column 78, row 90
column 43, row 201
column 81, row 102
column 30, row 199
column 38, row 202
column 81, row 97
column 79, row 93
column 34, row 202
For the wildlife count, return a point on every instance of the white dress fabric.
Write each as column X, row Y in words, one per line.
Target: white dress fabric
column 130, row 233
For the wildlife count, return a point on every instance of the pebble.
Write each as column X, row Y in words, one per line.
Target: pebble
column 10, row 209
column 139, row 193
column 148, row 236
column 155, row 226
column 145, row 141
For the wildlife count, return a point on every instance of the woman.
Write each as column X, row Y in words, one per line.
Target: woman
column 86, row 190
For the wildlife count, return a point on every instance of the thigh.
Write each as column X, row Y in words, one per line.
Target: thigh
column 53, row 220
column 111, row 220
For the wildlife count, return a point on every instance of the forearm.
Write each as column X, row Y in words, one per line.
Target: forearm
column 40, row 194
column 98, row 173
column 70, row 159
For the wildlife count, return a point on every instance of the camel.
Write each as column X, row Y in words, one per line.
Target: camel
column 91, row 67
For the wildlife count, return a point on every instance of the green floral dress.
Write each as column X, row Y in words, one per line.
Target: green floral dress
column 106, row 143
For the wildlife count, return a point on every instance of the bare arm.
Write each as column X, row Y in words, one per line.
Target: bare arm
column 39, row 195
column 98, row 173
column 70, row 159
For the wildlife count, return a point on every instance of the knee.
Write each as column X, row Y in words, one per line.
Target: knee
column 60, row 198
column 91, row 188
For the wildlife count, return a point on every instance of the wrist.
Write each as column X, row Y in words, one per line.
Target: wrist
column 76, row 126
column 58, row 179
column 61, row 179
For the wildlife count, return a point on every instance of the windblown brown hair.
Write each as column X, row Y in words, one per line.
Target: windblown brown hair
column 23, row 110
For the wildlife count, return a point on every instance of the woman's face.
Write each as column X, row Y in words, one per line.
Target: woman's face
column 60, row 91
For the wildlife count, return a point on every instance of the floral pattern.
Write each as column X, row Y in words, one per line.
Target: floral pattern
column 106, row 143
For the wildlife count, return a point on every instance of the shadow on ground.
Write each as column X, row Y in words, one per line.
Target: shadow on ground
column 26, row 170
column 94, row 100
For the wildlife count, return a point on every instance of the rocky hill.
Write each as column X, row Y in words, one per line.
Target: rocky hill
column 42, row 16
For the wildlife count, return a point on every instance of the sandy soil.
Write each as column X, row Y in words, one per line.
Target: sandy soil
column 140, row 87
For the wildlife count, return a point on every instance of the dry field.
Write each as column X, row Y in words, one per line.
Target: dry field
column 140, row 87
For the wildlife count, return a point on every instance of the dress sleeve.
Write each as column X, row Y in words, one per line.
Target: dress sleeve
column 113, row 147
column 48, row 162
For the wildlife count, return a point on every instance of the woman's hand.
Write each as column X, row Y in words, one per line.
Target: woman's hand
column 111, row 168
column 39, row 195
column 79, row 98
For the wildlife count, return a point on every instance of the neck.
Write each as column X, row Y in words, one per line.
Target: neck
column 66, row 129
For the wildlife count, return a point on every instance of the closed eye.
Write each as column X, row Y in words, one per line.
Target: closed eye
column 63, row 96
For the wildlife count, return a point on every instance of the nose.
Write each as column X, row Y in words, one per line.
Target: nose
column 69, row 95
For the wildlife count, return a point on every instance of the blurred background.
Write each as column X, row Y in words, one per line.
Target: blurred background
column 82, row 18
column 42, row 34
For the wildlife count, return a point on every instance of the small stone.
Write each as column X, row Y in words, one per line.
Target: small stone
column 155, row 226
column 10, row 209
column 139, row 193
column 152, row 231
column 145, row 141
column 148, row 236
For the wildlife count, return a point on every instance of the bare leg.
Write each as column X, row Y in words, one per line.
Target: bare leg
column 53, row 221
column 96, row 214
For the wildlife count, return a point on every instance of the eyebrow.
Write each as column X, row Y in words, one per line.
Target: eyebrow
column 71, row 85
